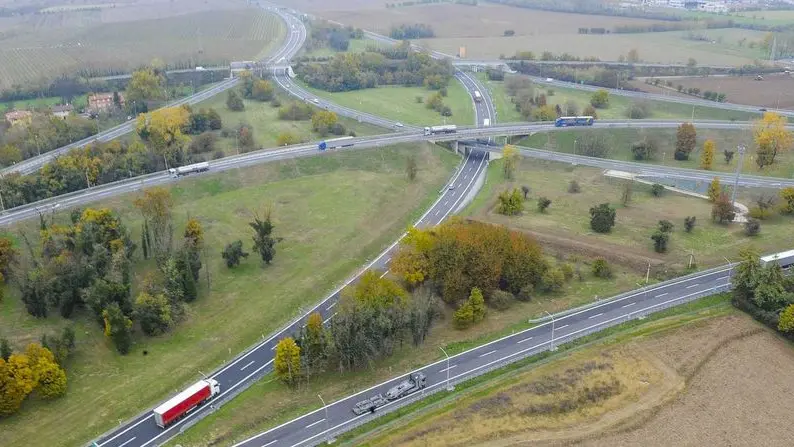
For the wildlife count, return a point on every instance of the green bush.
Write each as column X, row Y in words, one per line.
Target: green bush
column 601, row 268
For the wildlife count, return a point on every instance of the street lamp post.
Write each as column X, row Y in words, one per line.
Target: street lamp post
column 552, row 348
column 741, row 150
column 449, row 388
column 328, row 439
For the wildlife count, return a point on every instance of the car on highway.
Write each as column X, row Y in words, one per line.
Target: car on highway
column 398, row 125
column 316, row 101
column 451, row 187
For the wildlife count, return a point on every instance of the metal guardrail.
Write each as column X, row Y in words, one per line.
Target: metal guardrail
column 521, row 355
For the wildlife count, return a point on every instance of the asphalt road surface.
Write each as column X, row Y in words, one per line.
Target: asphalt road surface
column 313, row 428
column 292, row 44
column 83, row 197
column 143, row 431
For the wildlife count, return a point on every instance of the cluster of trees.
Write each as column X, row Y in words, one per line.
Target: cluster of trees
column 533, row 104
column 36, row 369
column 163, row 139
column 436, row 102
column 600, row 99
column 374, row 317
column 549, row 56
column 264, row 242
column 771, row 138
column 415, row 31
column 765, row 292
column 44, row 133
column 329, row 35
column 368, row 70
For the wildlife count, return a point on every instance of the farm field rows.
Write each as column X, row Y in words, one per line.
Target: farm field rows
column 206, row 38
column 653, row 384
column 321, row 247
column 399, row 103
column 565, row 226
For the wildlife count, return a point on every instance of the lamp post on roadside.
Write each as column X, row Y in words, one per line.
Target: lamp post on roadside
column 449, row 388
column 730, row 270
column 552, row 348
column 741, row 150
column 328, row 439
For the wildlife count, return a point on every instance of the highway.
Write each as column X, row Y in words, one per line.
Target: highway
column 250, row 366
column 313, row 428
column 93, row 194
column 292, row 44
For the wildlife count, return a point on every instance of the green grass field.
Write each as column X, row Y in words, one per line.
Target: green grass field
column 399, row 104
column 263, row 118
column 566, row 222
column 204, row 38
column 620, row 141
column 356, row 46
column 334, row 212
column 618, row 105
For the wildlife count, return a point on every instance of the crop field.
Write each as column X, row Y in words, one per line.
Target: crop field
column 205, row 38
column 618, row 105
column 480, row 29
column 654, row 384
column 321, row 247
column 263, row 118
column 774, row 92
column 565, row 227
column 399, row 103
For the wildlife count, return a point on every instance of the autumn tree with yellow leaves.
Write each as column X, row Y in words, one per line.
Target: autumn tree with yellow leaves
column 510, row 157
column 771, row 138
column 707, row 156
column 162, row 129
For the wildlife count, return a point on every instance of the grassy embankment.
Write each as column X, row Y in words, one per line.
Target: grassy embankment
column 263, row 118
column 565, row 225
column 399, row 104
column 334, row 212
column 618, row 105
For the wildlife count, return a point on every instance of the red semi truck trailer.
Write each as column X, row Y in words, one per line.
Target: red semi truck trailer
column 185, row 402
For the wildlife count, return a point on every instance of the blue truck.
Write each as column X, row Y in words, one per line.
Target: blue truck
column 334, row 143
column 565, row 121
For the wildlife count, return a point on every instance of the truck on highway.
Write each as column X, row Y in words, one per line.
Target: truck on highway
column 565, row 121
column 486, row 122
column 334, row 143
column 190, row 169
column 784, row 259
column 450, row 128
column 412, row 384
column 185, row 402
column 477, row 96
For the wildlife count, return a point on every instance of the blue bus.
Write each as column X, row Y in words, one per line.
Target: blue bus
column 565, row 121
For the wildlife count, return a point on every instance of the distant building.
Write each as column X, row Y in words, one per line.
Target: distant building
column 102, row 102
column 462, row 52
column 19, row 117
column 62, row 111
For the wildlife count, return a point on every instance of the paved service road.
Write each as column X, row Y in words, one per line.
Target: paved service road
column 313, row 428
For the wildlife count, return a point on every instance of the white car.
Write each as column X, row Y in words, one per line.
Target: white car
column 398, row 125
column 316, row 101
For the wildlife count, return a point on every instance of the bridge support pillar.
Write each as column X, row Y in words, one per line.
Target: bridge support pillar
column 455, row 146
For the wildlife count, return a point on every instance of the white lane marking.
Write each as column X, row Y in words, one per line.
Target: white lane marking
column 128, row 429
column 329, row 318
column 445, row 369
column 332, row 305
column 315, row 423
column 127, row 441
column 437, row 211
column 724, row 277
column 248, row 364
column 662, row 294
column 270, row 443
column 273, row 348
column 466, row 177
column 693, row 285
column 384, row 273
column 561, row 327
column 387, row 260
column 488, row 353
column 595, row 316
column 630, row 304
column 526, row 339
column 446, row 202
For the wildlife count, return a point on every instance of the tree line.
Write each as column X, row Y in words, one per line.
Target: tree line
column 765, row 292
column 414, row 31
column 329, row 35
column 42, row 134
column 347, row 72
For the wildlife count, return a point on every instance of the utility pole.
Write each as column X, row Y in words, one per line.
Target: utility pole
column 741, row 150
column 328, row 439
column 552, row 348
column 449, row 388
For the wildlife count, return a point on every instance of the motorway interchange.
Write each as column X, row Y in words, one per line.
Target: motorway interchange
column 317, row 426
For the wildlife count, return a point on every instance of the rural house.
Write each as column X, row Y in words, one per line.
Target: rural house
column 62, row 111
column 102, row 102
column 19, row 117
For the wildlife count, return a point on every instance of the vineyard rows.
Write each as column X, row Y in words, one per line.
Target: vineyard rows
column 207, row 38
